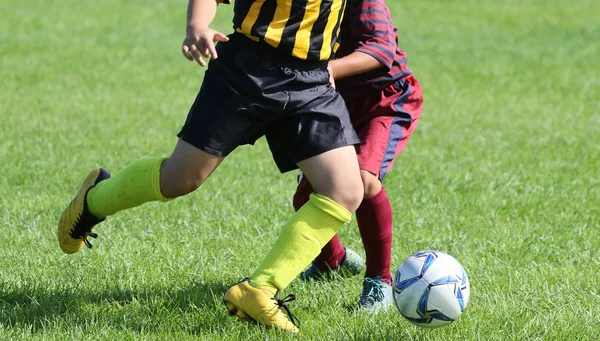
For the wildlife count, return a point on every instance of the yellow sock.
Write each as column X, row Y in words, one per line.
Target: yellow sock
column 299, row 242
column 130, row 187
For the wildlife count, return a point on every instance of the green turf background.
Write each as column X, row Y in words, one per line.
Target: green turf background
column 502, row 173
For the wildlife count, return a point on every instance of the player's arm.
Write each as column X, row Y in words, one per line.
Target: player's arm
column 353, row 64
column 373, row 39
column 200, row 39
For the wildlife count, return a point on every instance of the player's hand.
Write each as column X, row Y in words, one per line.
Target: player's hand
column 331, row 79
column 200, row 42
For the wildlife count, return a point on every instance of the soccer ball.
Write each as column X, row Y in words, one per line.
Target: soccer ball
column 431, row 289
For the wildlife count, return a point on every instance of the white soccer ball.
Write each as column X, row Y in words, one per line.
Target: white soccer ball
column 431, row 289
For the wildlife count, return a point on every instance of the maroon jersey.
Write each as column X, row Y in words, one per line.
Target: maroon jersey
column 367, row 27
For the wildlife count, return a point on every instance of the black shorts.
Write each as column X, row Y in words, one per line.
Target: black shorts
column 253, row 90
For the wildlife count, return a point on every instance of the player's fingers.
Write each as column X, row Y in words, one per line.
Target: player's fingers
column 220, row 37
column 186, row 52
column 217, row 37
column 212, row 51
column 203, row 47
column 196, row 54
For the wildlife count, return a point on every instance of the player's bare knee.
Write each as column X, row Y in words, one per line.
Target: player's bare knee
column 350, row 196
column 347, row 192
column 371, row 184
column 356, row 197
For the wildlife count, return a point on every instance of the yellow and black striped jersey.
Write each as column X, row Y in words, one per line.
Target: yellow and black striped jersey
column 306, row 29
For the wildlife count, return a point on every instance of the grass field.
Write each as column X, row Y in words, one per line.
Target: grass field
column 503, row 173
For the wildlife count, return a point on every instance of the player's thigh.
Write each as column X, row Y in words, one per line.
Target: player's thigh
column 335, row 174
column 316, row 135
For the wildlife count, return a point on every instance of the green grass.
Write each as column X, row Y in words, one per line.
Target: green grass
column 502, row 173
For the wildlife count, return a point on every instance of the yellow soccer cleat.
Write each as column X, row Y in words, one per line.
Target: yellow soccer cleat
column 76, row 222
column 259, row 305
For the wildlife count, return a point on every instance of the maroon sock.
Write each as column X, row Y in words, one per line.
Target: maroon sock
column 374, row 217
column 333, row 252
column 302, row 194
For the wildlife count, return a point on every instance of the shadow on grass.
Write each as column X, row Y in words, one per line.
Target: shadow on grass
column 191, row 309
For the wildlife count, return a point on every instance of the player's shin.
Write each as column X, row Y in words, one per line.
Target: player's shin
column 299, row 242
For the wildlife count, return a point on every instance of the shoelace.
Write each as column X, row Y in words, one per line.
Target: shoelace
column 372, row 291
column 282, row 304
column 83, row 229
column 86, row 241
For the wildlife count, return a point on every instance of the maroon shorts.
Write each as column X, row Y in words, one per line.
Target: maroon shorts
column 384, row 123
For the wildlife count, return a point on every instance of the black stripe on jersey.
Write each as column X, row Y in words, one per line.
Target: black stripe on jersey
column 316, row 34
column 240, row 11
column 292, row 26
column 339, row 22
column 265, row 16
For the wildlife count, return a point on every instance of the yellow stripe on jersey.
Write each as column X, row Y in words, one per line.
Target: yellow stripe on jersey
column 275, row 29
column 336, row 7
column 303, row 35
column 336, row 47
column 306, row 29
column 251, row 18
